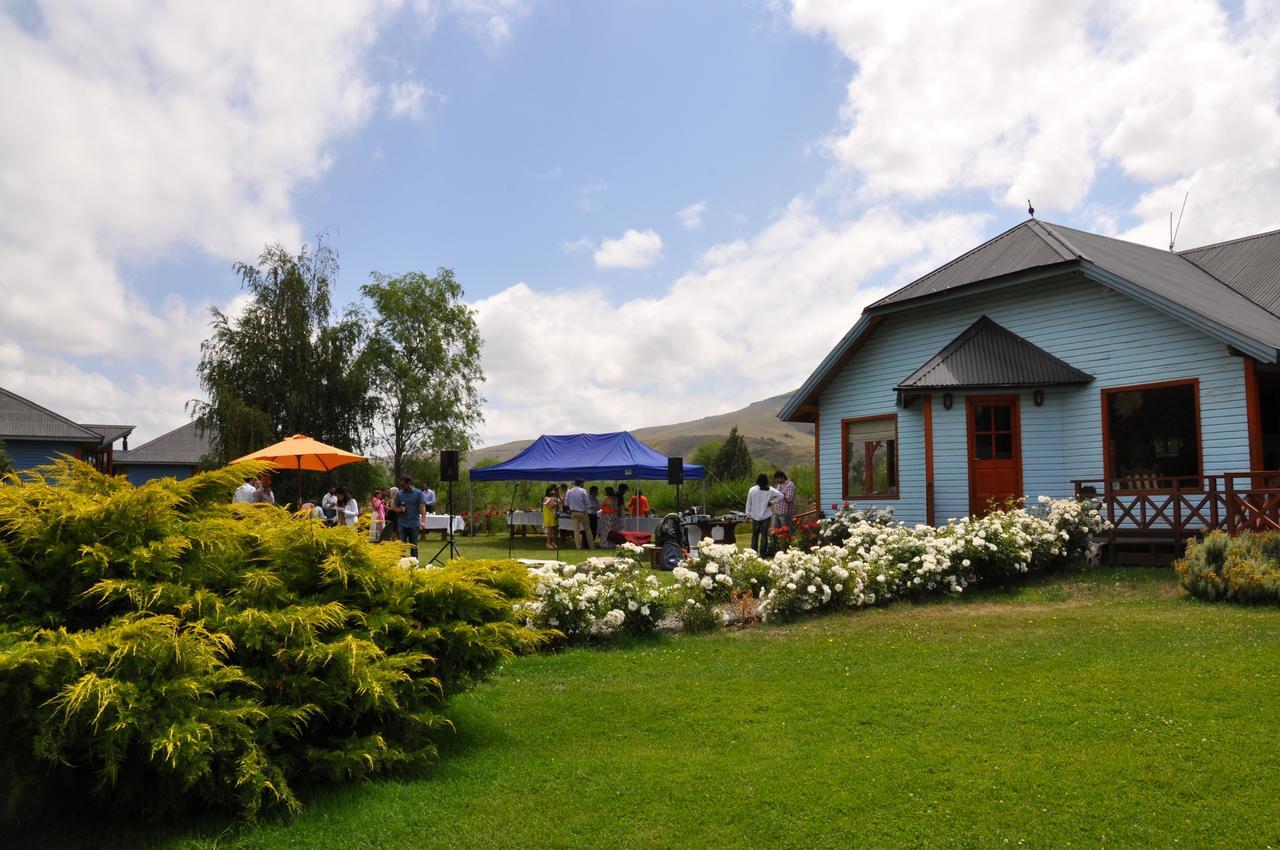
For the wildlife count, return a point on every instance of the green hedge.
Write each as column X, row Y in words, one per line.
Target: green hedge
column 1244, row 568
column 162, row 648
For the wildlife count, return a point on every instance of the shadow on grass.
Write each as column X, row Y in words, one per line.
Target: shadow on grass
column 82, row 824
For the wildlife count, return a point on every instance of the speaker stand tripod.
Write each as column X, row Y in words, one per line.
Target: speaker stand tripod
column 449, row 545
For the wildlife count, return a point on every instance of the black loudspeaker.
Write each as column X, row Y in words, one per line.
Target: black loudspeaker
column 448, row 465
column 675, row 470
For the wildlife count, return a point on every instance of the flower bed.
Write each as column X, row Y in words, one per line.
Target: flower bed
column 864, row 558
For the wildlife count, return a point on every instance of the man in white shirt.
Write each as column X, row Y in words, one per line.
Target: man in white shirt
column 246, row 493
column 760, row 499
column 429, row 499
column 579, row 505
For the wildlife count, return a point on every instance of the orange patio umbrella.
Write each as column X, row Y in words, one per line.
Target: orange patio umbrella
column 301, row 452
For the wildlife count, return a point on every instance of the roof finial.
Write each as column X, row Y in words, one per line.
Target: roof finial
column 1031, row 211
column 1173, row 231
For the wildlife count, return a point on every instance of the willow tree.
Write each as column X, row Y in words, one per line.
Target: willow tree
column 285, row 365
column 423, row 356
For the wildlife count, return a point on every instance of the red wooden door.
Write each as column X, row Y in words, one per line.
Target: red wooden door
column 995, row 452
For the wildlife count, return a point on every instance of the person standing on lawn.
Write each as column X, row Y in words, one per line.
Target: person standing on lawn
column 593, row 513
column 610, row 518
column 411, row 511
column 429, row 498
column 550, row 515
column 760, row 499
column 579, row 505
column 639, row 504
column 784, row 509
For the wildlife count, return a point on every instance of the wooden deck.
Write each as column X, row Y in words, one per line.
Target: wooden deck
column 1152, row 518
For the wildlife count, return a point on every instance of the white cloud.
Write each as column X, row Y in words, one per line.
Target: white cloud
column 691, row 216
column 578, row 246
column 711, row 341
column 490, row 21
column 146, row 128
column 1035, row 99
column 634, row 249
column 408, row 99
column 587, row 195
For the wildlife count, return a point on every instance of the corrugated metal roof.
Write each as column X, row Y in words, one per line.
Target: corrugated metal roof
column 185, row 445
column 110, row 433
column 1176, row 279
column 23, row 418
column 987, row 354
column 1230, row 291
column 1250, row 266
column 1028, row 245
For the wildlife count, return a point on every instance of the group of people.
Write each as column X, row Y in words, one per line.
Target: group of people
column 770, row 508
column 255, row 491
column 593, row 517
column 396, row 514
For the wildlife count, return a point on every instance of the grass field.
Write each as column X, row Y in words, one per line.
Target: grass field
column 1100, row 709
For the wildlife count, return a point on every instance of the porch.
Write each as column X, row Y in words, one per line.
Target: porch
column 1152, row 518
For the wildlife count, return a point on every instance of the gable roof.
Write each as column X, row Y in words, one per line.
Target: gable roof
column 22, row 418
column 110, row 433
column 1242, row 311
column 1250, row 266
column 183, row 446
column 987, row 354
column 1030, row 245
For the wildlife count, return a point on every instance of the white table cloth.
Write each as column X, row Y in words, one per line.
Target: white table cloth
column 531, row 518
column 440, row 522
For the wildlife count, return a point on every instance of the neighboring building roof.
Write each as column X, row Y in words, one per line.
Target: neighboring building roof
column 988, row 355
column 22, row 418
column 1250, row 266
column 184, row 446
column 1241, row 307
column 110, row 433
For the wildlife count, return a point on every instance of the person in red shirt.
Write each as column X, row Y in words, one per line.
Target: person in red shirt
column 639, row 505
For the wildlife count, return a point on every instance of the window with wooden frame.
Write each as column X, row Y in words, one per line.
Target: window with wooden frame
column 870, row 455
column 1151, row 435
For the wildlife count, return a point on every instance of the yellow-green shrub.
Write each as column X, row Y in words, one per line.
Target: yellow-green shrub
column 1244, row 568
column 161, row 647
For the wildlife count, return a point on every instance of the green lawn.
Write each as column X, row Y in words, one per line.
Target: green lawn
column 1104, row 709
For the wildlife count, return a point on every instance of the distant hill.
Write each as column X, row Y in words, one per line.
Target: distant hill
column 768, row 437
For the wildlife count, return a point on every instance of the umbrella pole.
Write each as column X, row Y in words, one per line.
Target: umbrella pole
column 298, row 475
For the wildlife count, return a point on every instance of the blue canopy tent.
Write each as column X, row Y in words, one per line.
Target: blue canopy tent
column 591, row 457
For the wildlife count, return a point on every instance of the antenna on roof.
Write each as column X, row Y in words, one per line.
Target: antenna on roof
column 1031, row 211
column 1173, row 231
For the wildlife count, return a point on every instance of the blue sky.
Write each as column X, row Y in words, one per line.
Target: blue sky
column 822, row 152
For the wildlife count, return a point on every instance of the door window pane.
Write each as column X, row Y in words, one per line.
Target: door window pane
column 982, row 446
column 1004, row 446
column 982, row 417
column 1003, row 417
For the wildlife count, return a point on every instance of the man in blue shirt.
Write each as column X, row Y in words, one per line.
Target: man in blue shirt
column 429, row 498
column 411, row 510
column 579, row 505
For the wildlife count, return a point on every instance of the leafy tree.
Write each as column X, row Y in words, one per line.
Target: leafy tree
column 705, row 454
column 733, row 461
column 423, row 358
column 284, row 366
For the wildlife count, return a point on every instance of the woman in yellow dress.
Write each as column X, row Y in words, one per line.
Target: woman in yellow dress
column 550, row 507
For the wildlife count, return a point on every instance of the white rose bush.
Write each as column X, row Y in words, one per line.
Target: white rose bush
column 863, row 558
column 597, row 600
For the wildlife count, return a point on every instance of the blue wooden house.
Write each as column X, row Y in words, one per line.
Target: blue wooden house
column 177, row 454
column 1053, row 361
column 35, row 435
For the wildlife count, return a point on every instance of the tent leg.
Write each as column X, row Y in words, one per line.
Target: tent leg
column 511, row 529
column 471, row 505
column 706, row 509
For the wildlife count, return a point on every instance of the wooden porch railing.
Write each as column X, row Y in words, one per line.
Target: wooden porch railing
column 1187, row 507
